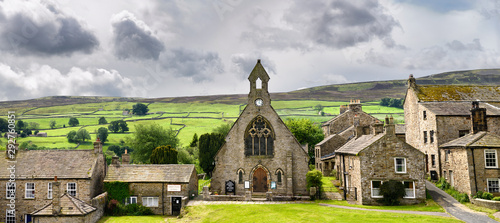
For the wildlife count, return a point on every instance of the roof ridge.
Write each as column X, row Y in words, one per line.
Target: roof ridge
column 476, row 138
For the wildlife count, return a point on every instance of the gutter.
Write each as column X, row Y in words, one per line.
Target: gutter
column 163, row 199
column 345, row 176
column 474, row 166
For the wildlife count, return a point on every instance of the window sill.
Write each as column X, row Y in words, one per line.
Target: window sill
column 400, row 172
column 29, row 198
column 378, row 197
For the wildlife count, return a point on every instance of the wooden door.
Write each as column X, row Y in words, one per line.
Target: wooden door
column 260, row 180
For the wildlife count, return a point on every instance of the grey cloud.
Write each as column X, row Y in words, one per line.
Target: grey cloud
column 244, row 63
column 57, row 34
column 197, row 65
column 134, row 39
column 459, row 46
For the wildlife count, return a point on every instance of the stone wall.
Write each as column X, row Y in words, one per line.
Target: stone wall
column 483, row 173
column 328, row 147
column 486, row 203
column 99, row 202
column 159, row 190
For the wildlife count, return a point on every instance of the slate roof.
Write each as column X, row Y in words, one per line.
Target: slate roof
column 328, row 156
column 50, row 163
column 458, row 93
column 400, row 129
column 480, row 139
column 172, row 173
column 355, row 146
column 69, row 206
column 326, row 139
column 460, row 108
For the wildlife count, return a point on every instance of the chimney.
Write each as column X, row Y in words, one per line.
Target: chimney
column 390, row 128
column 478, row 118
column 56, row 197
column 97, row 146
column 411, row 82
column 115, row 161
column 355, row 106
column 377, row 127
column 16, row 148
column 342, row 109
column 125, row 158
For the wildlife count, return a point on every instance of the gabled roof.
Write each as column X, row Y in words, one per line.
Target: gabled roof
column 480, row 139
column 345, row 114
column 459, row 108
column 258, row 72
column 69, row 206
column 167, row 173
column 457, row 93
column 50, row 163
column 354, row 146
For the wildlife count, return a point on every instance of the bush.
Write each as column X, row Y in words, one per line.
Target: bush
column 496, row 199
column 460, row 197
column 137, row 210
column 334, row 173
column 442, row 184
column 487, row 196
column 313, row 179
column 392, row 191
column 479, row 195
column 311, row 167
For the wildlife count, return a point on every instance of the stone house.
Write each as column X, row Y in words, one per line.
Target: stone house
column 368, row 160
column 470, row 163
column 337, row 132
column 260, row 155
column 164, row 188
column 437, row 114
column 80, row 173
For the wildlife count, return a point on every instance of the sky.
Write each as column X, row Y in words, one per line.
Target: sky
column 171, row 48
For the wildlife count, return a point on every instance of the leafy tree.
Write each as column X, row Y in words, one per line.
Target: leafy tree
column 194, row 142
column 392, row 102
column 305, row 131
column 140, row 109
column 163, row 155
column 318, row 107
column 118, row 126
column 102, row 120
column 184, row 157
column 34, row 125
column 147, row 137
column 36, row 132
column 27, row 132
column 71, row 136
column 82, row 135
column 20, row 125
column 52, row 124
column 223, row 129
column 102, row 134
column 209, row 144
column 392, row 191
column 4, row 125
column 123, row 126
column 313, row 178
column 120, row 150
column 384, row 101
column 73, row 122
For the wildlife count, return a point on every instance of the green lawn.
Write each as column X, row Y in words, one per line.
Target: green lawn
column 133, row 219
column 429, row 205
column 328, row 185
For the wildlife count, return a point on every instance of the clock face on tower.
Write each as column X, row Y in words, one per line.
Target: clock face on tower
column 259, row 102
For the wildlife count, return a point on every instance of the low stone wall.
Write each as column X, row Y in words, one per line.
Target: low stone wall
column 486, row 203
column 98, row 202
column 227, row 198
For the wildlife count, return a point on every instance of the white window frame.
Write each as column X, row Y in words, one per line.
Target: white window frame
column 413, row 189
column 372, row 189
column 396, row 165
column 150, row 201
column 49, row 190
column 7, row 189
column 129, row 200
column 494, row 151
column 488, row 184
column 29, row 193
column 10, row 218
column 71, row 190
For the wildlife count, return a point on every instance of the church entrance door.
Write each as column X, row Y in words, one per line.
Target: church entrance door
column 260, row 180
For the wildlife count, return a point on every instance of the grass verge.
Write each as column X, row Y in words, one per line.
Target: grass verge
column 429, row 205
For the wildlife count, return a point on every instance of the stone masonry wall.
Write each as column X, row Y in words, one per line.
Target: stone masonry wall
column 458, row 163
column 483, row 173
column 159, row 190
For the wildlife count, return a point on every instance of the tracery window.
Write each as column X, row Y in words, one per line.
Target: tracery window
column 259, row 138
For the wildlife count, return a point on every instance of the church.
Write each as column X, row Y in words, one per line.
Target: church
column 260, row 154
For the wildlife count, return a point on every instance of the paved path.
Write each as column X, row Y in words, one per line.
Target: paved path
column 442, row 214
column 200, row 202
column 454, row 207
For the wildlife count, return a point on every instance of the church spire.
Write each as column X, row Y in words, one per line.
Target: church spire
column 259, row 84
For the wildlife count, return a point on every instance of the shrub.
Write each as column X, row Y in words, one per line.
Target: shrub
column 115, row 208
column 496, row 199
column 442, row 184
column 487, row 196
column 311, row 167
column 392, row 191
column 137, row 210
column 334, row 173
column 479, row 195
column 313, row 179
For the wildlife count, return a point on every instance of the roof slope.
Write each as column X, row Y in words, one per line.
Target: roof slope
column 480, row 139
column 458, row 93
column 50, row 163
column 355, row 146
column 174, row 173
column 69, row 206
column 460, row 108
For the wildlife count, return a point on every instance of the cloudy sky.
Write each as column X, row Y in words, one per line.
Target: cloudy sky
column 168, row 48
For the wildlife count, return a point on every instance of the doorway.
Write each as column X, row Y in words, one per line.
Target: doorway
column 176, row 205
column 260, row 180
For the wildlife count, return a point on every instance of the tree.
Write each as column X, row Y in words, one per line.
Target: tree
column 209, row 144
column 118, row 126
column 305, row 131
column 82, row 135
column 27, row 132
column 20, row 125
column 52, row 124
column 34, row 125
column 194, row 142
column 71, row 136
column 392, row 191
column 318, row 107
column 184, row 157
column 73, row 122
column 223, row 129
column 140, row 109
column 102, row 120
column 120, row 150
column 147, row 137
column 4, row 125
column 123, row 126
column 163, row 155
column 102, row 134
column 313, row 178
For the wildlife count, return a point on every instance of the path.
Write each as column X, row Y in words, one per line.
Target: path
column 454, row 207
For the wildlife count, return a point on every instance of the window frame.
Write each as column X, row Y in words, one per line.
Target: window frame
column 486, row 161
column 129, row 199
column 396, row 164
column 9, row 215
column 146, row 204
column 70, row 191
column 433, row 160
column 28, row 190
column 425, row 136
column 431, row 136
column 488, row 185
column 371, row 183
column 49, row 190
column 7, row 189
column 414, row 190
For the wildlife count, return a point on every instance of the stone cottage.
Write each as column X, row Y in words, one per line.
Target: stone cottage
column 368, row 160
column 260, row 154
column 437, row 114
column 164, row 188
column 470, row 163
column 79, row 172
column 337, row 132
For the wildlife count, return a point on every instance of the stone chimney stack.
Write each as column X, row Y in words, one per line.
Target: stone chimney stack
column 342, row 109
column 411, row 82
column 355, row 106
column 115, row 161
column 390, row 128
column 478, row 118
column 125, row 158
column 97, row 146
column 377, row 127
column 56, row 197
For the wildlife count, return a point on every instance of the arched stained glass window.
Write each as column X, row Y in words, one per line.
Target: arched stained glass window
column 259, row 138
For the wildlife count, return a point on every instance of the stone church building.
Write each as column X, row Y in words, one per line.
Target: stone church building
column 260, row 154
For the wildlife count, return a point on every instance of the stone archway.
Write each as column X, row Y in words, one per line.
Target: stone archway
column 259, row 182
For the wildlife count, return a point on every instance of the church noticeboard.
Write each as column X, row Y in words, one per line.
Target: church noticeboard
column 247, row 184
column 173, row 187
column 230, row 187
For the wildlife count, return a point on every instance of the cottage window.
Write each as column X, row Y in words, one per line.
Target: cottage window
column 259, row 138
column 376, row 189
column 71, row 188
column 10, row 190
column 409, row 189
column 433, row 160
column 131, row 200
column 29, row 191
column 490, row 158
column 446, row 155
column 10, row 216
column 431, row 135
column 493, row 186
column 425, row 136
column 49, row 191
column 400, row 165
column 425, row 115
column 150, row 201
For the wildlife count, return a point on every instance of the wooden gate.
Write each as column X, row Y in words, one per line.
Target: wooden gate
column 260, row 180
